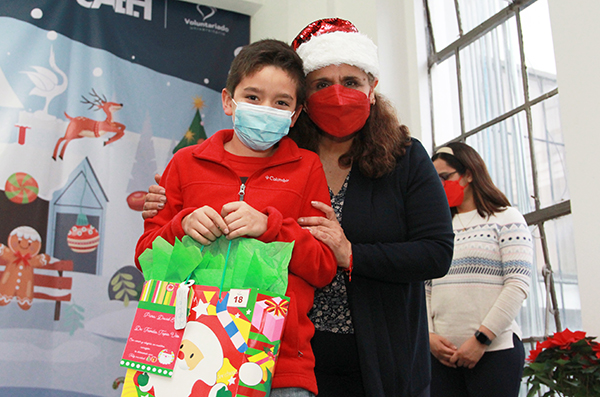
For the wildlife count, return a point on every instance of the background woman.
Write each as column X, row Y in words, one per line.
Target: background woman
column 474, row 338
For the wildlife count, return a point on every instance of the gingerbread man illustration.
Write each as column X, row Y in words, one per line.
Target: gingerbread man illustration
column 20, row 257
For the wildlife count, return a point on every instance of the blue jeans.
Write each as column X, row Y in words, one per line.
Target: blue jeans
column 290, row 392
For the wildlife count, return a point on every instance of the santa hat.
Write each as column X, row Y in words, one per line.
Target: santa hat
column 333, row 41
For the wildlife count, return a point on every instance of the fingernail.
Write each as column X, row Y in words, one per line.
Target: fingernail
column 161, row 205
column 300, row 220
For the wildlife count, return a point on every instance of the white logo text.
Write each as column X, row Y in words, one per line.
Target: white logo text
column 121, row 6
column 275, row 179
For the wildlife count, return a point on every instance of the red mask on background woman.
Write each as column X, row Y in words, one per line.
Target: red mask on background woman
column 455, row 192
column 338, row 110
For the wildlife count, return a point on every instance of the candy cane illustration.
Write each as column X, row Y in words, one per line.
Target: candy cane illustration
column 232, row 330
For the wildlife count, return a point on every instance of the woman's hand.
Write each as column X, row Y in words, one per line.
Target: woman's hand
column 329, row 231
column 468, row 354
column 155, row 199
column 442, row 349
column 204, row 225
column 243, row 220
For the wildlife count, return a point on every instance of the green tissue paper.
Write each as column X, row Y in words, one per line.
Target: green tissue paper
column 239, row 263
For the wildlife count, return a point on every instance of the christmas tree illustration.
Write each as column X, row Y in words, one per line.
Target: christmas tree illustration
column 195, row 134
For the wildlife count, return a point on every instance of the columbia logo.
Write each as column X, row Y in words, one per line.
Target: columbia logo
column 275, row 179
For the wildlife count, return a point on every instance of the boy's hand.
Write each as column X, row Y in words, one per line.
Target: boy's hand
column 243, row 220
column 204, row 225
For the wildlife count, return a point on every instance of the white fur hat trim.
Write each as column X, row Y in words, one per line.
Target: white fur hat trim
column 335, row 48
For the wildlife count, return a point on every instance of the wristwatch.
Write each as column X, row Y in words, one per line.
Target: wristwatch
column 482, row 338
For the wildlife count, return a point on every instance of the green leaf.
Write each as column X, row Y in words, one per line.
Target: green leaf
column 224, row 392
column 533, row 391
column 143, row 379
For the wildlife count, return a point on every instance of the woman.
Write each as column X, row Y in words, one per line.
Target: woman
column 371, row 337
column 474, row 338
column 395, row 232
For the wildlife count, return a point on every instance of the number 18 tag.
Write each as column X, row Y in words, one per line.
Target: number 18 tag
column 238, row 298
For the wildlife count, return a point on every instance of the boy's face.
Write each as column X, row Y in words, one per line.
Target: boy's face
column 271, row 86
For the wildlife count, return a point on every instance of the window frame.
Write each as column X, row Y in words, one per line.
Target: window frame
column 539, row 215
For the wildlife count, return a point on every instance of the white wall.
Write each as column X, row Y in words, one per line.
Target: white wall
column 576, row 35
column 284, row 19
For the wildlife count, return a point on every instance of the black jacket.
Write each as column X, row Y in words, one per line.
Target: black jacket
column 400, row 228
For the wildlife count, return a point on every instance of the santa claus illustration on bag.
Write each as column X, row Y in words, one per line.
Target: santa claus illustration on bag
column 199, row 360
column 20, row 257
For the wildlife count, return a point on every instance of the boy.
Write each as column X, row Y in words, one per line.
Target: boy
column 254, row 181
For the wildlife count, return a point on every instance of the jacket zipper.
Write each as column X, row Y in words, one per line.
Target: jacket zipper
column 242, row 191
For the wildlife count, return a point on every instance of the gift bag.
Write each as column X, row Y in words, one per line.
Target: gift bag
column 235, row 314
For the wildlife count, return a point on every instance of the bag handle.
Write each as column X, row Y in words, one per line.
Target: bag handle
column 224, row 267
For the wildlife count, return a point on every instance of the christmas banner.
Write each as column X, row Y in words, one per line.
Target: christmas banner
column 95, row 97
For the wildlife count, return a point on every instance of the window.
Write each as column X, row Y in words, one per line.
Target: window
column 493, row 85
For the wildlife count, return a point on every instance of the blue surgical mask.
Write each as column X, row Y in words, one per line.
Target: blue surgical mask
column 260, row 127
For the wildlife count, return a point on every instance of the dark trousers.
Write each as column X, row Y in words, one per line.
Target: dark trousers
column 497, row 374
column 337, row 367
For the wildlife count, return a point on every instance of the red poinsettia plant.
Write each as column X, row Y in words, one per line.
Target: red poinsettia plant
column 567, row 363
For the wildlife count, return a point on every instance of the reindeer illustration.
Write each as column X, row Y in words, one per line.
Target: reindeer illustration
column 80, row 127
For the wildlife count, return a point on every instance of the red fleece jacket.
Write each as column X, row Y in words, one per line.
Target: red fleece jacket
column 282, row 188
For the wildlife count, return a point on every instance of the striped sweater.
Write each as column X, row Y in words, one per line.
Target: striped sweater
column 488, row 280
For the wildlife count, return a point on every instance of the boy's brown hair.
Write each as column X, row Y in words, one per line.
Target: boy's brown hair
column 253, row 57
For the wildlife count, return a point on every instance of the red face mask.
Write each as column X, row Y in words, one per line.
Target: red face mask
column 338, row 110
column 454, row 192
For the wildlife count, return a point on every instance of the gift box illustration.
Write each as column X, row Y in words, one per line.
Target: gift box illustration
column 236, row 311
column 269, row 316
